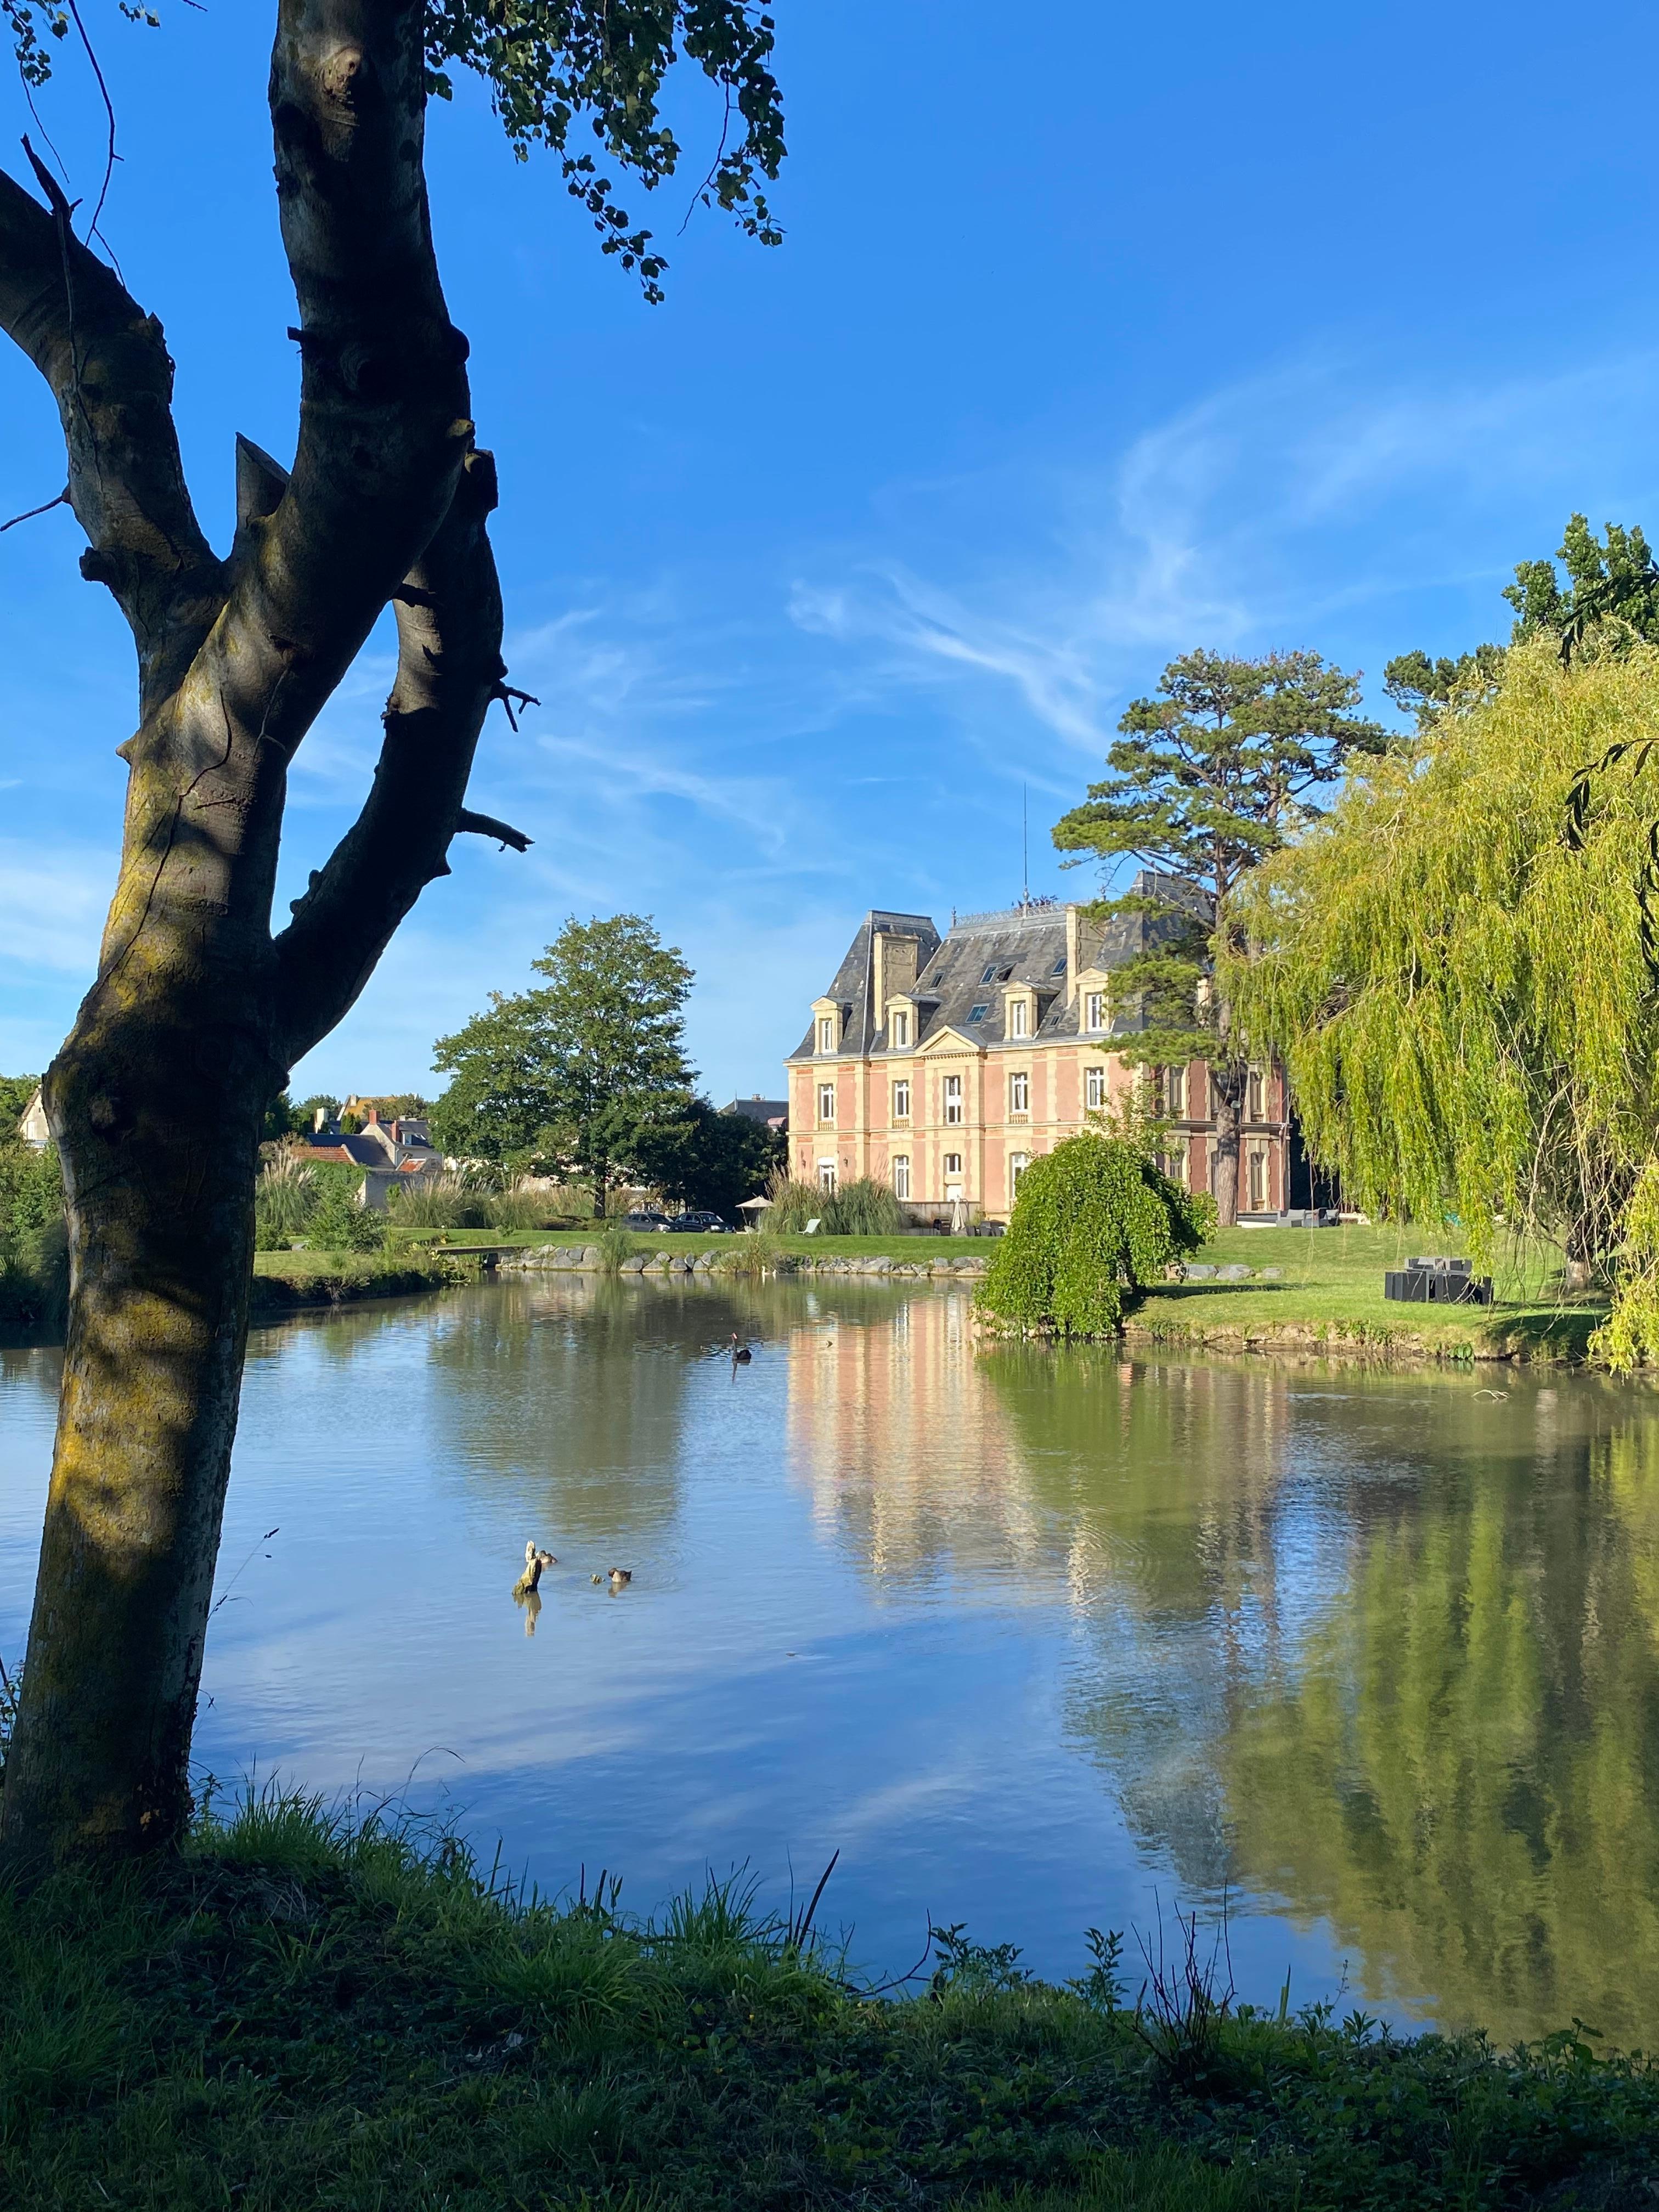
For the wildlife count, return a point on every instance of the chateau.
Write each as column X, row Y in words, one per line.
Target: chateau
column 945, row 1065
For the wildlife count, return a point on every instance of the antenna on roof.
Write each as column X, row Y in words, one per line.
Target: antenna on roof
column 1024, row 846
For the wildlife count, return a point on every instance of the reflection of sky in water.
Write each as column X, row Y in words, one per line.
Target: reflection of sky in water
column 995, row 1623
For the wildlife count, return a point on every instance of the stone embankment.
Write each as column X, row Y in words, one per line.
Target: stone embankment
column 734, row 1259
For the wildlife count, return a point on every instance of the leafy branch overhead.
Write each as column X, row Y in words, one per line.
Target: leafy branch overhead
column 1612, row 587
column 553, row 66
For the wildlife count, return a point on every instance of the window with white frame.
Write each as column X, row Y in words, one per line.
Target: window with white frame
column 1175, row 1092
column 1094, row 1089
column 826, row 1033
column 902, row 1176
column 953, row 1163
column 953, row 1098
column 901, row 1102
column 826, row 1174
column 901, row 1030
column 1094, row 1009
column 1019, row 1093
column 1018, row 1163
column 826, row 1102
column 1019, row 1017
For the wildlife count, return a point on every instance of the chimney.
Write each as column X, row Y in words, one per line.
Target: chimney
column 372, row 1118
column 894, row 970
column 320, row 1120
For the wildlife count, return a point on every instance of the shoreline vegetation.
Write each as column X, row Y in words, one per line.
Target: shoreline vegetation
column 1308, row 1292
column 306, row 2007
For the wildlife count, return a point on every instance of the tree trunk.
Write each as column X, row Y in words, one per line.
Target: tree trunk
column 1227, row 1081
column 157, row 1123
column 198, row 1011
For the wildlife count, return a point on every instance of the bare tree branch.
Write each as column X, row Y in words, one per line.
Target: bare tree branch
column 384, row 412
column 107, row 364
column 469, row 824
column 449, row 665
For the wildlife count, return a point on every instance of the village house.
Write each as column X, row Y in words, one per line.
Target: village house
column 943, row 1066
column 389, row 1152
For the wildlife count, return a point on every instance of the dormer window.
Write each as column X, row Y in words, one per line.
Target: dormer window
column 1094, row 1009
column 826, row 1033
column 1019, row 1019
column 901, row 1032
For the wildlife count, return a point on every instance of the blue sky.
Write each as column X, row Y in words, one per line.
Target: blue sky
column 1099, row 334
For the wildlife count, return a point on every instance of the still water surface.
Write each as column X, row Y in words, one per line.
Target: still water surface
column 1037, row 1640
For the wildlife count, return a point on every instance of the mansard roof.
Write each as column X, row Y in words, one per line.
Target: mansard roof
column 853, row 989
column 963, row 975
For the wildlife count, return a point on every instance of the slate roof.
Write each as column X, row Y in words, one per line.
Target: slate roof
column 852, row 988
column 765, row 1110
column 980, row 955
column 348, row 1151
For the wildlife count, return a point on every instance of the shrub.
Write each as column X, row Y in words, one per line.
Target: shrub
column 439, row 1201
column 339, row 1221
column 794, row 1204
column 523, row 1205
column 863, row 1207
column 1095, row 1224
column 284, row 1198
column 31, row 1195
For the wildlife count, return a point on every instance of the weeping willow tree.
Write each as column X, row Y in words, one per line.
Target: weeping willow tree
column 1460, row 989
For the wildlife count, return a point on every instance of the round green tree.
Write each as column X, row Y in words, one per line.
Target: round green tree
column 1096, row 1222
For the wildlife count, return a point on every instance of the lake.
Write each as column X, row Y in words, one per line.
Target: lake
column 1037, row 1640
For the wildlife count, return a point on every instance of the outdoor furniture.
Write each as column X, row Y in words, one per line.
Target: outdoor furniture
column 1437, row 1282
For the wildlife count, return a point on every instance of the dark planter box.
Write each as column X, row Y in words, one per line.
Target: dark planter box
column 1437, row 1285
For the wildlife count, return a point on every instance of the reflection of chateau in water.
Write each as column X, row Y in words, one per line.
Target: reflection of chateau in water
column 926, row 1449
column 912, row 1464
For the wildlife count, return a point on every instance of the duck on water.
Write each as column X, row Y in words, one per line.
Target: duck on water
column 534, row 1561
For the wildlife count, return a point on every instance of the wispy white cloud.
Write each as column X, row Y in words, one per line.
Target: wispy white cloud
column 756, row 753
column 1260, row 511
column 52, row 905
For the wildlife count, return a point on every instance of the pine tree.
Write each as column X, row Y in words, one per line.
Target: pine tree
column 1205, row 781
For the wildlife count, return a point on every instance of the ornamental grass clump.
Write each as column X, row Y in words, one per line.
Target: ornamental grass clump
column 1096, row 1223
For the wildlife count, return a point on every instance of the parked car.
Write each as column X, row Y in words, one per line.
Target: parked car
column 647, row 1219
column 701, row 1224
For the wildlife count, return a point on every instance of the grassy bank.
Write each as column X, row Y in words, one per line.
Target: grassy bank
column 804, row 1247
column 1329, row 1293
column 300, row 2013
column 1322, row 1289
column 284, row 1281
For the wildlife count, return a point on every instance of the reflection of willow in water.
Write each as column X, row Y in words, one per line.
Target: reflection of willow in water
column 1165, row 1480
column 1391, row 1651
column 1460, row 1763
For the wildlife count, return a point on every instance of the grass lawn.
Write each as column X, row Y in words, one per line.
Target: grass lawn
column 298, row 2013
column 1332, row 1283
